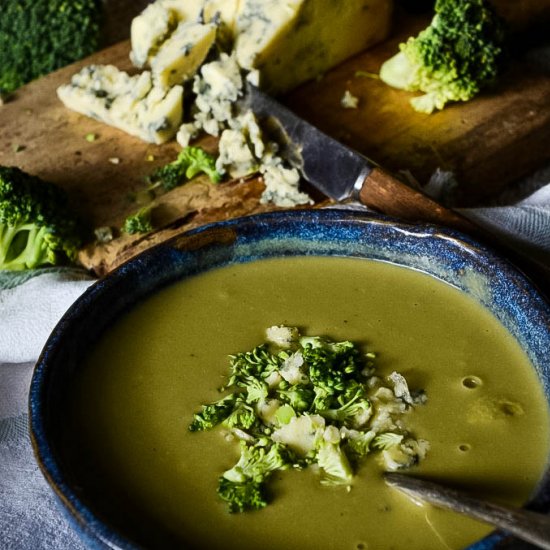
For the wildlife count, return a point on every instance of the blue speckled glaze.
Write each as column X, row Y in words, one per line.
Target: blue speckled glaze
column 446, row 255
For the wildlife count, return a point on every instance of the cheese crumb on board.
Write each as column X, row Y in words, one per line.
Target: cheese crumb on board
column 349, row 101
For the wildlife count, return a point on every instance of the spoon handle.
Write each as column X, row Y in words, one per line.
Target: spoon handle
column 529, row 526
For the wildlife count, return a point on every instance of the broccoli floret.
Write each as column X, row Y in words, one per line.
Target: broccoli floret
column 214, row 413
column 242, row 417
column 456, row 56
column 242, row 487
column 190, row 162
column 240, row 497
column 300, row 398
column 40, row 36
column 355, row 411
column 37, row 227
column 139, row 222
column 257, row 462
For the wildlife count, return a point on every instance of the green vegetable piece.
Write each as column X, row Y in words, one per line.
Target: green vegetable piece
column 211, row 415
column 242, row 417
column 299, row 397
column 139, row 222
column 336, row 467
column 455, row 57
column 191, row 161
column 37, row 226
column 90, row 138
column 240, row 497
column 40, row 36
column 285, row 414
column 257, row 462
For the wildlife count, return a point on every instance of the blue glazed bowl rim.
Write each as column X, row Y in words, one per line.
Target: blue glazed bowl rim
column 290, row 228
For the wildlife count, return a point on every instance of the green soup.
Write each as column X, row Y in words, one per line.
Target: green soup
column 486, row 417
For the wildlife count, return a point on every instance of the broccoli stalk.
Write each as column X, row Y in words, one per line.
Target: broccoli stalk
column 39, row 36
column 455, row 57
column 35, row 226
column 191, row 161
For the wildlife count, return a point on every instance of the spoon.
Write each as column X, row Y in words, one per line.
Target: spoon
column 529, row 526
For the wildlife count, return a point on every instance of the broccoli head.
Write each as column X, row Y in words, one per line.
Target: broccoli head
column 191, row 161
column 456, row 56
column 248, row 495
column 140, row 222
column 36, row 227
column 40, row 36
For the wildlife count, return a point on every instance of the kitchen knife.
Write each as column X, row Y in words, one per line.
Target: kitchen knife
column 341, row 173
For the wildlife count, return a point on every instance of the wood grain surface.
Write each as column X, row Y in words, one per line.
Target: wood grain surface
column 488, row 143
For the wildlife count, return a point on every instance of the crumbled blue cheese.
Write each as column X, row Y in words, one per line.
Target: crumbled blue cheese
column 349, row 101
column 130, row 103
column 218, row 86
column 235, row 155
column 181, row 55
column 282, row 184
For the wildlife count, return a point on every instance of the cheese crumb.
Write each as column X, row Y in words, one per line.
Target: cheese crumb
column 349, row 101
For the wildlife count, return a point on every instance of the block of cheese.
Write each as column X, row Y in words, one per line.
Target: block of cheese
column 181, row 55
column 224, row 14
column 131, row 103
column 291, row 41
column 156, row 23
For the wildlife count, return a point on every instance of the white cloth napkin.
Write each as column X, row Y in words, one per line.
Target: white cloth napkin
column 30, row 309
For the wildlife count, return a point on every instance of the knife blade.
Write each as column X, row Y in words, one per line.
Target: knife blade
column 342, row 173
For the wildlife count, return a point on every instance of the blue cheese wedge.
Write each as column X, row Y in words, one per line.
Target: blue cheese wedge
column 149, row 30
column 131, row 103
column 181, row 55
column 292, row 41
column 154, row 25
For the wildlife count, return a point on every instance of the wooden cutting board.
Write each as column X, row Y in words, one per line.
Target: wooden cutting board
column 488, row 143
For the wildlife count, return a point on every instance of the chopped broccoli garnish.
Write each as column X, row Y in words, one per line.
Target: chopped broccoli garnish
column 301, row 402
column 139, row 222
column 211, row 415
column 455, row 57
column 191, row 161
column 240, row 497
column 37, row 227
column 40, row 36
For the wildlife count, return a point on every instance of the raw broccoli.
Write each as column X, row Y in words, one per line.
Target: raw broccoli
column 190, row 162
column 139, row 222
column 455, row 57
column 37, row 227
column 302, row 402
column 40, row 36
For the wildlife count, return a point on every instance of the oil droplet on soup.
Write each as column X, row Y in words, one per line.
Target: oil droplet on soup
column 486, row 416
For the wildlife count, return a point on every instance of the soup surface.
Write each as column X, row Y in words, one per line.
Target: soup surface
column 486, row 417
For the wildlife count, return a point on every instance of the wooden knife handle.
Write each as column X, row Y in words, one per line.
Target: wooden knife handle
column 383, row 192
